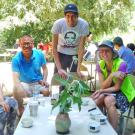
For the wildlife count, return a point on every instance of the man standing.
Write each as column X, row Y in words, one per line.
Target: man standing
column 125, row 53
column 26, row 67
column 69, row 35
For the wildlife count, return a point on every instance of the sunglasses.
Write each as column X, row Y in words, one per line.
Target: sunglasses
column 104, row 51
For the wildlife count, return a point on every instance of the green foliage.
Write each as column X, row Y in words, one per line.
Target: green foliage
column 37, row 31
column 72, row 93
column 103, row 16
column 44, row 11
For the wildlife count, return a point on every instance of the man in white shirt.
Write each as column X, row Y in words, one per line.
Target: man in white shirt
column 69, row 34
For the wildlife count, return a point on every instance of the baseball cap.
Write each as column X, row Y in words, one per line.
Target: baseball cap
column 118, row 40
column 71, row 8
column 109, row 43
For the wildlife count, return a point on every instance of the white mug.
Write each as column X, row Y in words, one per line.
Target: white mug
column 94, row 126
column 101, row 118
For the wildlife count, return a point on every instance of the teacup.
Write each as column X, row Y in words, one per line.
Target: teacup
column 94, row 126
column 94, row 113
column 27, row 122
column 101, row 118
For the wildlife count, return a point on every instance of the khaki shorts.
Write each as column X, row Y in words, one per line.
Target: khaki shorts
column 31, row 88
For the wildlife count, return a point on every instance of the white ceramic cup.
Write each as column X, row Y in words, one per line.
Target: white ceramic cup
column 94, row 126
column 27, row 122
column 94, row 113
column 101, row 118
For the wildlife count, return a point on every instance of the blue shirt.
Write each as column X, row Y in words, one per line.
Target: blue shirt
column 127, row 55
column 29, row 71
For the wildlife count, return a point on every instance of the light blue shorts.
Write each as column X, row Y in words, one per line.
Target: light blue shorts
column 33, row 87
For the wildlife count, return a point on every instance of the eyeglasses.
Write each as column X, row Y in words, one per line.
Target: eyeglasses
column 27, row 45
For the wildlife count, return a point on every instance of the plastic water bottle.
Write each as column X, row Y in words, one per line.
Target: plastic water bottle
column 35, row 92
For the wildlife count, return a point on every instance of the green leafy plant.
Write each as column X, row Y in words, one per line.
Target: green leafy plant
column 71, row 94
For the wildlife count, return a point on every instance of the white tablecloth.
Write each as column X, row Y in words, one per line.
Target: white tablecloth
column 44, row 123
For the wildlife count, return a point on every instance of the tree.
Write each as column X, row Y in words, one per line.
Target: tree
column 36, row 17
column 105, row 16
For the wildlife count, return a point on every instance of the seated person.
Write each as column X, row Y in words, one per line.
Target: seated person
column 8, row 112
column 111, row 71
column 125, row 53
column 26, row 67
column 132, row 47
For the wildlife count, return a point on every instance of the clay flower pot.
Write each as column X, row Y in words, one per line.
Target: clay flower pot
column 62, row 123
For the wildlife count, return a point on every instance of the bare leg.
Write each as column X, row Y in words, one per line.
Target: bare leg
column 111, row 110
column 19, row 95
column 100, row 103
column 100, row 100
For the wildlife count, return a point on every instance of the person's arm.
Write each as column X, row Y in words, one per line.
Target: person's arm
column 105, row 84
column 2, row 102
column 45, row 74
column 61, row 72
column 18, row 90
column 15, row 74
column 55, row 53
column 119, row 75
column 83, row 34
column 16, row 82
column 103, row 89
column 80, row 53
column 1, row 94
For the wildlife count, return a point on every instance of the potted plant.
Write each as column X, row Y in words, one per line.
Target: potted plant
column 71, row 94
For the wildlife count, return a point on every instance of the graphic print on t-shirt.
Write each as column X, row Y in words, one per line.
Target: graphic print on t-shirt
column 70, row 38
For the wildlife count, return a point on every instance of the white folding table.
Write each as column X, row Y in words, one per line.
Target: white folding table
column 44, row 123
